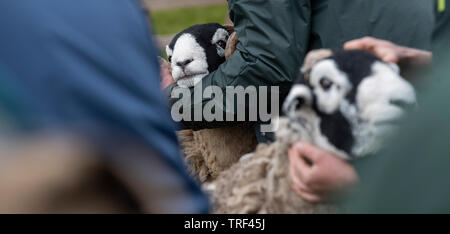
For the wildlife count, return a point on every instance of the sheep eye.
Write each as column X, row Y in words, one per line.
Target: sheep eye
column 222, row 44
column 170, row 59
column 326, row 83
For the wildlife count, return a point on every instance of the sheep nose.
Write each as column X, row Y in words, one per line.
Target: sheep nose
column 184, row 63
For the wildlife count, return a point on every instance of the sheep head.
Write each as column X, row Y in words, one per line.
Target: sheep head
column 348, row 102
column 197, row 51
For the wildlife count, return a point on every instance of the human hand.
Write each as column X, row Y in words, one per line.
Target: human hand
column 318, row 175
column 390, row 52
column 231, row 45
column 166, row 75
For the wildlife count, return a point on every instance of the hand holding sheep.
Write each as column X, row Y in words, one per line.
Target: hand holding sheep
column 318, row 175
column 166, row 76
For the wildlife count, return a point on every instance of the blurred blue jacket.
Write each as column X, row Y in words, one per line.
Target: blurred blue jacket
column 91, row 65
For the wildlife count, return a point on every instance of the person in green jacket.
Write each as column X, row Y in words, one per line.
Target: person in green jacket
column 411, row 175
column 275, row 36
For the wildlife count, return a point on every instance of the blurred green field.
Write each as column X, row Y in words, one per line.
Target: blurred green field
column 169, row 22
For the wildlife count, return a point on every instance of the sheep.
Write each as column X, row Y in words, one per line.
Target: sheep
column 346, row 102
column 194, row 53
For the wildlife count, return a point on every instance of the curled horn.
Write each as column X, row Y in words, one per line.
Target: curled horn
column 312, row 58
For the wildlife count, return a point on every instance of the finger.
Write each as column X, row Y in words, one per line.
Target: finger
column 295, row 179
column 365, row 43
column 297, row 190
column 167, row 78
column 231, row 45
column 390, row 58
column 163, row 62
column 229, row 28
column 309, row 197
column 357, row 44
column 304, row 188
column 299, row 167
column 298, row 176
column 387, row 55
column 309, row 152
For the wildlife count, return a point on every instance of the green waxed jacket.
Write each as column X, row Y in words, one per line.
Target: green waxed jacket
column 405, row 22
column 275, row 36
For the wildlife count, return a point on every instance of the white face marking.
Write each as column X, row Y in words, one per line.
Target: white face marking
column 376, row 114
column 328, row 100
column 220, row 35
column 186, row 49
column 169, row 52
column 375, row 94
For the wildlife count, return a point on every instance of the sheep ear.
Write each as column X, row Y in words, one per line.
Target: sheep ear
column 168, row 50
column 313, row 57
column 394, row 67
column 299, row 96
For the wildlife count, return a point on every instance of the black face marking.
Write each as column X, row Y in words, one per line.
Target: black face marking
column 357, row 65
column 301, row 80
column 334, row 126
column 183, row 64
column 222, row 44
column 338, row 131
column 203, row 34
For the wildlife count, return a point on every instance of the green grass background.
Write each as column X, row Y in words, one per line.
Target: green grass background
column 168, row 22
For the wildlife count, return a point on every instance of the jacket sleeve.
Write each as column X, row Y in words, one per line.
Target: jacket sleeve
column 273, row 39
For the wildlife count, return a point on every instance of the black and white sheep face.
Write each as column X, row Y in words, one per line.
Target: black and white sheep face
column 350, row 102
column 196, row 52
